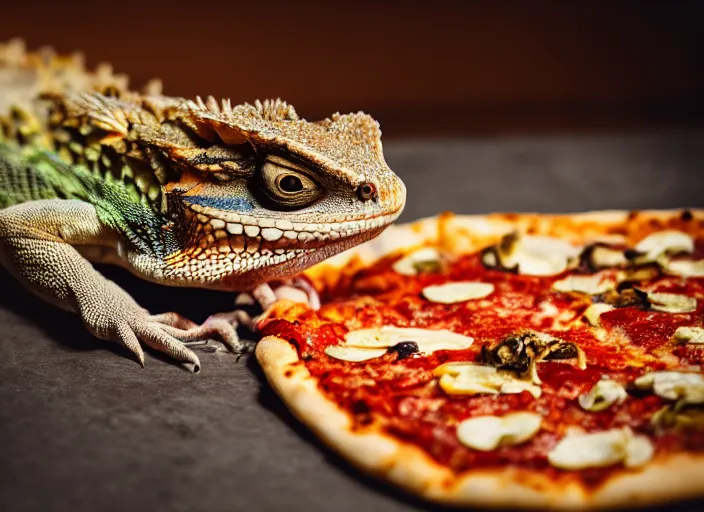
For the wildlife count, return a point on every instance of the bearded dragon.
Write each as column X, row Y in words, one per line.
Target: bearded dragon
column 180, row 192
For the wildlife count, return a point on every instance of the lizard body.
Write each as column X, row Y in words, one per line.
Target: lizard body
column 180, row 192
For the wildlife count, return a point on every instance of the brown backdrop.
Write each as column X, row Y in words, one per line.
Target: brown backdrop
column 422, row 68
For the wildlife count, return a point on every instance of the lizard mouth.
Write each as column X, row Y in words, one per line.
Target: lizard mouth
column 241, row 241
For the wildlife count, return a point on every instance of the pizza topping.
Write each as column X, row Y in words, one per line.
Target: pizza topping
column 661, row 243
column 693, row 335
column 450, row 293
column 603, row 395
column 672, row 302
column 684, row 268
column 597, row 256
column 427, row 340
column 601, row 449
column 594, row 284
column 673, row 417
column 486, row 433
column 625, row 296
column 641, row 273
column 530, row 255
column 686, row 387
column 476, row 379
column 593, row 313
column 405, row 349
column 354, row 354
column 426, row 259
column 521, row 353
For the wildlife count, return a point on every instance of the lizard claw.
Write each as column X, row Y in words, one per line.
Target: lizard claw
column 220, row 325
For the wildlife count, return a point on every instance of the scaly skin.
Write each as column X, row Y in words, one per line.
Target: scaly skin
column 180, row 192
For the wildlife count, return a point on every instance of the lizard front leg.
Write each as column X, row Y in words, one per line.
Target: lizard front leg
column 36, row 246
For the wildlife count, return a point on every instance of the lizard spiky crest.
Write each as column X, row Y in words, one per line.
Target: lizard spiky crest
column 349, row 145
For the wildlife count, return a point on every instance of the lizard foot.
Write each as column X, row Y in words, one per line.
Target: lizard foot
column 297, row 289
column 221, row 325
column 114, row 315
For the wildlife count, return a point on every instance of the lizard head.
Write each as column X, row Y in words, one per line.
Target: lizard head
column 271, row 194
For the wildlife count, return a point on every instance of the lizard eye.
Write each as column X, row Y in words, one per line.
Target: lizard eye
column 285, row 186
column 367, row 191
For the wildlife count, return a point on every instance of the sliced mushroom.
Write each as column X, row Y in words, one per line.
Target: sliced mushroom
column 531, row 255
column 601, row 449
column 605, row 257
column 693, row 335
column 486, row 433
column 354, row 354
column 461, row 291
column 642, row 273
column 603, row 395
column 427, row 259
column 625, row 295
column 684, row 268
column 672, row 302
column 427, row 340
column 592, row 284
column 594, row 311
column 677, row 417
column 662, row 243
column 465, row 378
column 686, row 387
column 522, row 352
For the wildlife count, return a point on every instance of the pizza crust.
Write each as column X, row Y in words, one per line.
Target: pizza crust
column 408, row 467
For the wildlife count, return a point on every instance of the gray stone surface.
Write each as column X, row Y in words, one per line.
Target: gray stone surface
column 83, row 428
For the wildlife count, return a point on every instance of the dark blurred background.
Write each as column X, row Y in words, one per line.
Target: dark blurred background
column 422, row 68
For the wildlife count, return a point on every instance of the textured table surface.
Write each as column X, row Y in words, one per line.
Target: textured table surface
column 83, row 428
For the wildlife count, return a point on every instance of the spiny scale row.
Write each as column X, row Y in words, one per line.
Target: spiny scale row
column 270, row 110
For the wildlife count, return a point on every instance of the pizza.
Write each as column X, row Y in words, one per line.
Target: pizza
column 514, row 360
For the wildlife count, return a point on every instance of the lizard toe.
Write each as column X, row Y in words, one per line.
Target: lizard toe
column 127, row 337
column 155, row 336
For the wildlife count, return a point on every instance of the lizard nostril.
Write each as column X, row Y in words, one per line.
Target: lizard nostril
column 367, row 191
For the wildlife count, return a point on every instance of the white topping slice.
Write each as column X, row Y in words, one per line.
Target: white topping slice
column 487, row 433
column 605, row 257
column 674, row 385
column 693, row 335
column 428, row 340
column 413, row 263
column 664, row 242
column 639, row 450
column 684, row 268
column 354, row 354
column 592, row 284
column 603, row 395
column 461, row 291
column 672, row 302
column 539, row 255
column 594, row 311
column 601, row 449
column 476, row 379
